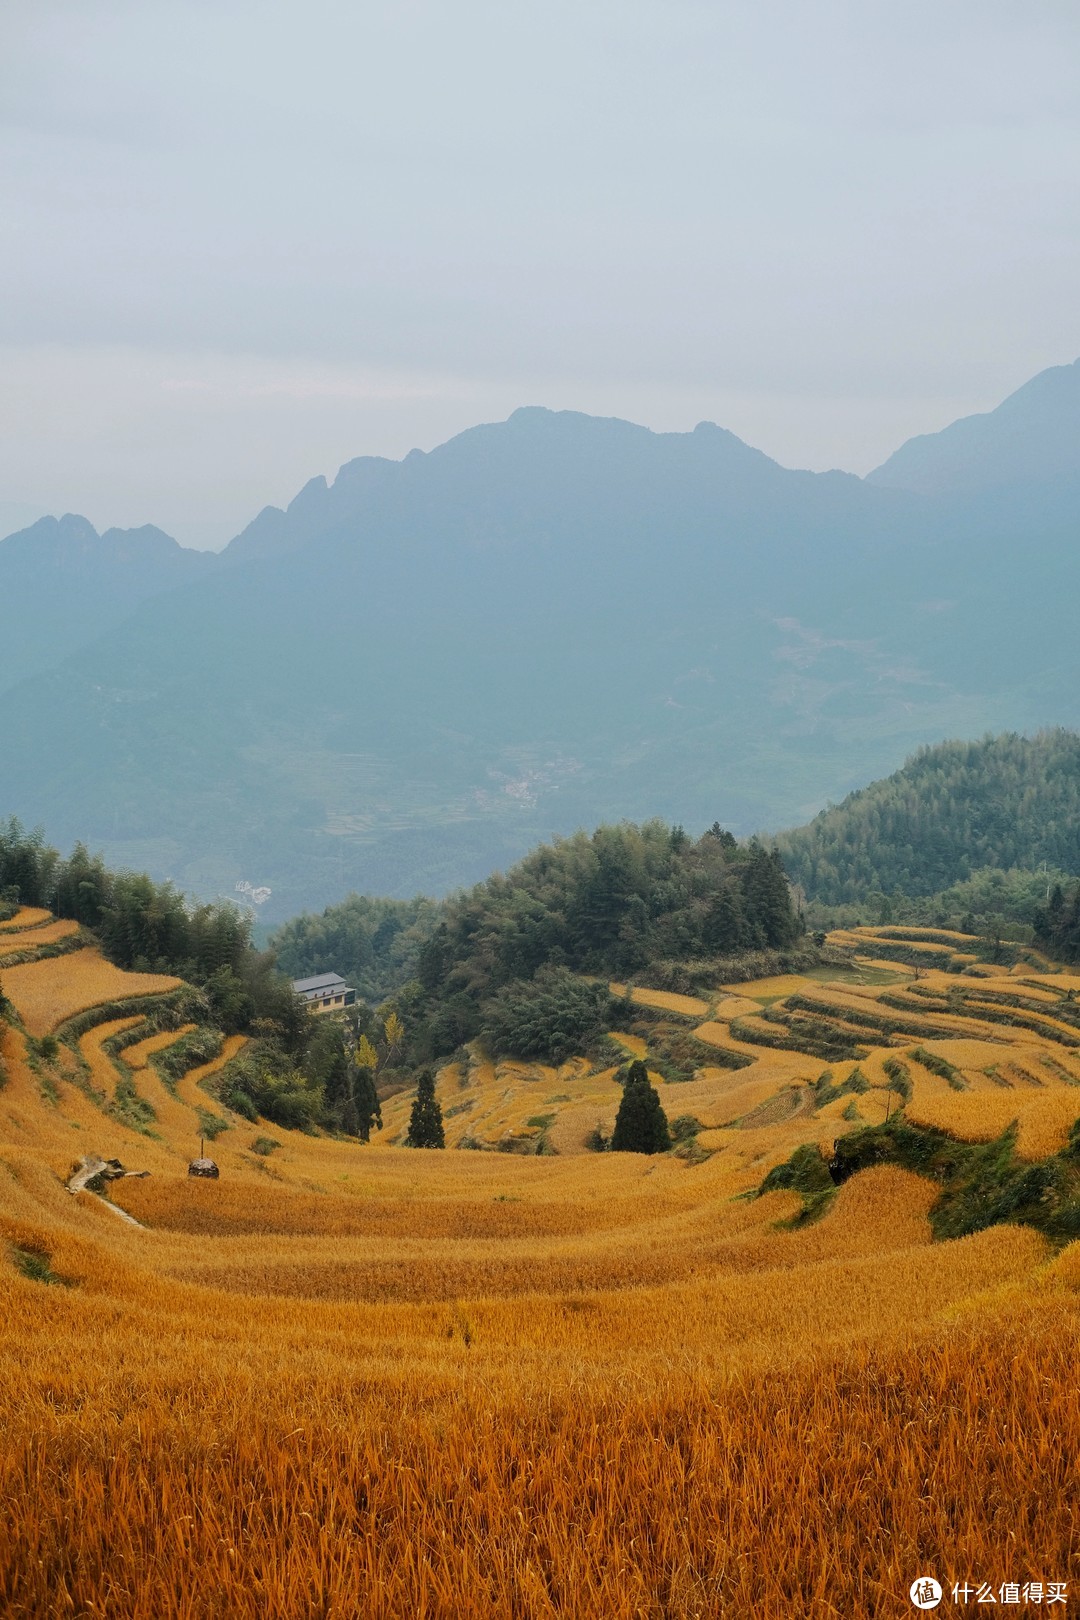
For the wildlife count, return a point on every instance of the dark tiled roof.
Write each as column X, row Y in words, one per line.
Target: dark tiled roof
column 321, row 981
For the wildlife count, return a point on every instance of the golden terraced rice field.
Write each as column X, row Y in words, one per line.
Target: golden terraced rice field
column 46, row 993
column 490, row 1385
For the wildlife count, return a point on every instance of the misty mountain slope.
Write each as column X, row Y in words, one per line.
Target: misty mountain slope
column 62, row 584
column 417, row 672
column 554, row 480
column 546, row 621
column 1032, row 440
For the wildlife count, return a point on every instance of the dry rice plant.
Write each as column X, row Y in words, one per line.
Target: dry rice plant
column 30, row 939
column 103, row 1072
column 375, row 1381
column 665, row 1001
column 45, row 993
column 25, row 917
column 781, row 984
column 1045, row 1116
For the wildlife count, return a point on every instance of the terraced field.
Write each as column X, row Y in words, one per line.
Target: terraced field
column 540, row 1381
column 1001, row 1046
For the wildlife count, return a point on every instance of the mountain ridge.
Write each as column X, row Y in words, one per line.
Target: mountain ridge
column 60, row 576
column 1032, row 437
column 415, row 673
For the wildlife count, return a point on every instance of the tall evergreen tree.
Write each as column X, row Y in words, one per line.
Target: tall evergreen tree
column 640, row 1125
column 367, row 1109
column 425, row 1121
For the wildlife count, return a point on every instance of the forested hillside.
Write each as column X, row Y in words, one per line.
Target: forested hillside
column 505, row 959
column 953, row 810
column 373, row 943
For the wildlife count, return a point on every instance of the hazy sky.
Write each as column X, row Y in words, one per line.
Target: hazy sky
column 243, row 241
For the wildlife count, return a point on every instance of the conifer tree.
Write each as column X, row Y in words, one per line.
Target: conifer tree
column 368, row 1111
column 640, row 1125
column 425, row 1121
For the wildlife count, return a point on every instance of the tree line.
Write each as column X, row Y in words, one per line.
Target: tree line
column 374, row 943
column 1057, row 924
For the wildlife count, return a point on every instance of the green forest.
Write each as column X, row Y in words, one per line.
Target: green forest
column 1008, row 803
column 372, row 942
column 506, row 959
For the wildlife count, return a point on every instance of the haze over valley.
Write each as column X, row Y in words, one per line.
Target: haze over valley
column 416, row 672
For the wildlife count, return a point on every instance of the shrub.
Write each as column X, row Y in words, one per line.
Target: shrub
column 211, row 1125
column 261, row 1081
column 550, row 1017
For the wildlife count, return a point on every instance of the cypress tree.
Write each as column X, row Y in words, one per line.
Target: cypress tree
column 640, row 1125
column 366, row 1104
column 425, row 1121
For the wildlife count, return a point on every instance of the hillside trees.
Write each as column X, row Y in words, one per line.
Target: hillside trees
column 142, row 925
column 27, row 864
column 1005, row 802
column 365, row 1111
column 620, row 903
column 1057, row 925
column 373, row 943
column 551, row 1016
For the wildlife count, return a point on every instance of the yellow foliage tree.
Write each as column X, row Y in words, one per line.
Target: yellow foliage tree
column 394, row 1031
column 366, row 1055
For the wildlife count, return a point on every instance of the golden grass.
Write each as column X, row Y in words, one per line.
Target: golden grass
column 729, row 1007
column 47, row 934
column 633, row 1044
column 103, row 1072
column 665, row 1001
column 891, row 930
column 479, row 1386
column 781, row 984
column 45, row 993
column 730, row 1440
column 1045, row 1116
column 25, row 917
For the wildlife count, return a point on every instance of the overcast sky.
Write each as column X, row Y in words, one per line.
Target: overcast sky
column 242, row 241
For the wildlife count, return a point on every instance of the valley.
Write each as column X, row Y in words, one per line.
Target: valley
column 421, row 668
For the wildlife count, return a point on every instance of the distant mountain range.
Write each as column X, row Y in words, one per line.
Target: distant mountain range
column 62, row 584
column 416, row 673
